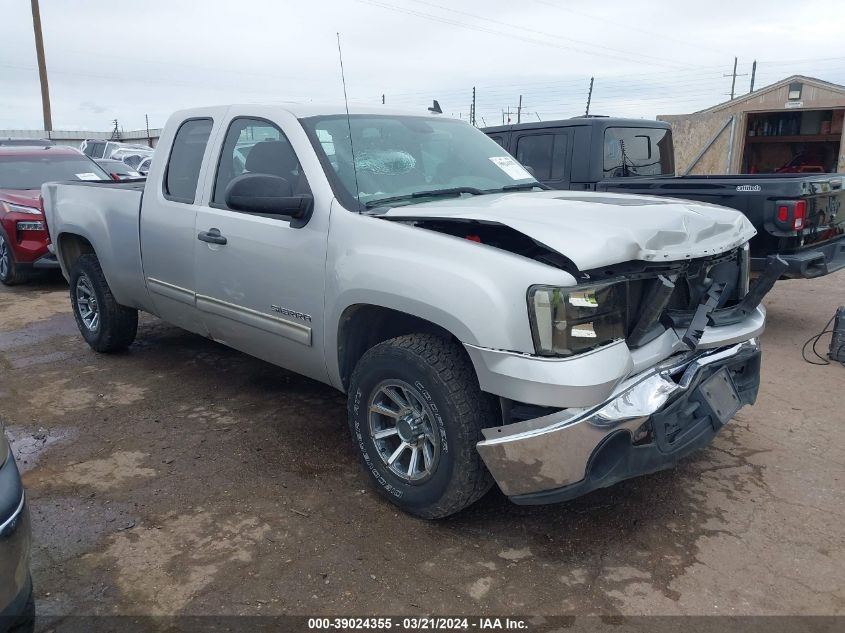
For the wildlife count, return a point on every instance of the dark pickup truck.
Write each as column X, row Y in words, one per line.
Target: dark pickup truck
column 797, row 216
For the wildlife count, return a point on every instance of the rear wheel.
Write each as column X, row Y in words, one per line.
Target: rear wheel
column 105, row 325
column 10, row 272
column 416, row 413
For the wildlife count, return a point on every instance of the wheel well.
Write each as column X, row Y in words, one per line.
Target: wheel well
column 71, row 247
column 364, row 326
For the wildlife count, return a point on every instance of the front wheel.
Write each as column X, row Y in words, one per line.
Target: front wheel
column 105, row 325
column 416, row 413
column 10, row 272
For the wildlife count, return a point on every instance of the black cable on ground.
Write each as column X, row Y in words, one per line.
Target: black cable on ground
column 813, row 341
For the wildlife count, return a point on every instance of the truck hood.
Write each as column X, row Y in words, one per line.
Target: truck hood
column 599, row 229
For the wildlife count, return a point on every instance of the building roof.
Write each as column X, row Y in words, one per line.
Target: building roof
column 812, row 81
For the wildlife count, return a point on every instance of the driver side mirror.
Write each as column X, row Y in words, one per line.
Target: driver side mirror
column 270, row 195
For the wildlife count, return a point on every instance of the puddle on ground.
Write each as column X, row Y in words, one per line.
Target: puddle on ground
column 38, row 331
column 28, row 444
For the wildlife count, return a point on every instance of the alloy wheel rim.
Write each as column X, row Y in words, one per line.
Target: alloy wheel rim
column 403, row 429
column 86, row 302
column 4, row 258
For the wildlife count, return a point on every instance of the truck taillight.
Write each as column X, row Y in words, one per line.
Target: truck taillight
column 800, row 215
column 791, row 214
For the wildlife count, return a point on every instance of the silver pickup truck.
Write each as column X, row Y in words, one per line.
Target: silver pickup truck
column 484, row 329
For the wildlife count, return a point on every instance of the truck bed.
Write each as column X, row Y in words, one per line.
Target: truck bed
column 105, row 213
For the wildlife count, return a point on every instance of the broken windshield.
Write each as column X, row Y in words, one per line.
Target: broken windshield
column 397, row 157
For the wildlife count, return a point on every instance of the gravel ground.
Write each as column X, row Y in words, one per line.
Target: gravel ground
column 186, row 478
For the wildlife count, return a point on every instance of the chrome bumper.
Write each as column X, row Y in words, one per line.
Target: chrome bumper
column 568, row 453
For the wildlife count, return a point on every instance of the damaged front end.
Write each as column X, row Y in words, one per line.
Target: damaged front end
column 656, row 416
column 640, row 301
column 648, row 423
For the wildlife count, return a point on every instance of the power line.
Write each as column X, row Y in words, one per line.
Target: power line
column 510, row 25
column 629, row 27
column 482, row 29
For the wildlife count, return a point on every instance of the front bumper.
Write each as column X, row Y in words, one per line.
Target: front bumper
column 47, row 261
column 815, row 261
column 648, row 423
column 15, row 543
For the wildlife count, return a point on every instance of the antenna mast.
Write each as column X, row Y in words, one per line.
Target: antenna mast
column 349, row 124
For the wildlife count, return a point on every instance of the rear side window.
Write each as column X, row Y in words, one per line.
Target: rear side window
column 183, row 168
column 637, row 151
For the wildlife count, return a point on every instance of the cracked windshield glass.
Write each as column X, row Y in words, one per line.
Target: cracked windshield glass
column 412, row 158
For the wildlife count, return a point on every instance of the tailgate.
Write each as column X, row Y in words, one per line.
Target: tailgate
column 825, row 216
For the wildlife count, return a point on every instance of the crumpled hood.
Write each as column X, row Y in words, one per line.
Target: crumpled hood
column 599, row 229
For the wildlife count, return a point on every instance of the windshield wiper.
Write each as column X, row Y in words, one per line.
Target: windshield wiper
column 526, row 186
column 433, row 193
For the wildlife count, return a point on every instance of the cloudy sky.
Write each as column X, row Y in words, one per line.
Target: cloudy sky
column 126, row 59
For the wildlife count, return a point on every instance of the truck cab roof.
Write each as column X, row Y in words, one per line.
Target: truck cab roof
column 596, row 122
column 305, row 110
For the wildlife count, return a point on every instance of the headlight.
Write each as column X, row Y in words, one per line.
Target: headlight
column 19, row 208
column 568, row 321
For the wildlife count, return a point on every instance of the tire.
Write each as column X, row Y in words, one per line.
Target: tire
column 437, row 383
column 113, row 327
column 10, row 272
column 26, row 623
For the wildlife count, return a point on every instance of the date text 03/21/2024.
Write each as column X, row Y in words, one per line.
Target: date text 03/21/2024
column 419, row 624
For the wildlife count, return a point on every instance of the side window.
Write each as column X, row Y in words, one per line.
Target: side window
column 95, row 150
column 638, row 152
column 183, row 167
column 535, row 151
column 560, row 156
column 259, row 147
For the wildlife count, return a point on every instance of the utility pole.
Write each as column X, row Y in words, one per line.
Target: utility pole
column 733, row 76
column 753, row 73
column 42, row 66
column 589, row 97
column 472, row 120
column 149, row 138
column 519, row 110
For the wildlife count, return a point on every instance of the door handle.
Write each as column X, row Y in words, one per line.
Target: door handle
column 212, row 236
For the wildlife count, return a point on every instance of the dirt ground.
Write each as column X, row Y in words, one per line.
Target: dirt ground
column 183, row 477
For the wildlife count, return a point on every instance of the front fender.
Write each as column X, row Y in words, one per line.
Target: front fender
column 476, row 292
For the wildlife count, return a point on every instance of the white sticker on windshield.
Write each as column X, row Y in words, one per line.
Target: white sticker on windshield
column 510, row 167
column 88, row 176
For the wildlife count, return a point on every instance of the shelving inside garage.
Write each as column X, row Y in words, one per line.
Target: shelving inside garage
column 800, row 141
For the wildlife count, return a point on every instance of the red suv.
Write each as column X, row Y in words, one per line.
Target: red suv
column 23, row 231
